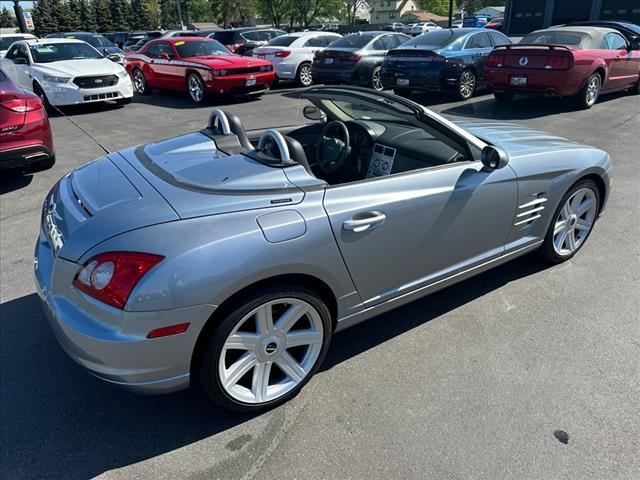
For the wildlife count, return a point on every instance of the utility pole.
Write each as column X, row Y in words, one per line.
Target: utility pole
column 17, row 9
column 179, row 15
column 450, row 13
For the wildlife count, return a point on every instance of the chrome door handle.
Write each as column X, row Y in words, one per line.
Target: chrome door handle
column 361, row 224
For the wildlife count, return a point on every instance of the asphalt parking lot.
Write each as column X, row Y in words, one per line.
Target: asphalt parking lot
column 469, row 383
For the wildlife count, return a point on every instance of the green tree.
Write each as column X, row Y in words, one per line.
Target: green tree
column 168, row 13
column 6, row 19
column 140, row 17
column 74, row 15
column 61, row 13
column 118, row 16
column 103, row 16
column 87, row 16
column 309, row 10
column 45, row 22
column 275, row 11
column 351, row 9
column 439, row 7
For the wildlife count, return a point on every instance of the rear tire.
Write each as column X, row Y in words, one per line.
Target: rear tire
column 140, row 82
column 588, row 96
column 249, row 363
column 466, row 85
column 303, row 76
column 502, row 96
column 572, row 222
column 376, row 79
column 635, row 90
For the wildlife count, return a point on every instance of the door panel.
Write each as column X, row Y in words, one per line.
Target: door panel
column 424, row 225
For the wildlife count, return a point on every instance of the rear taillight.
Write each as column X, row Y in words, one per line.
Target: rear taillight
column 23, row 105
column 353, row 58
column 283, row 53
column 110, row 277
column 495, row 60
column 557, row 63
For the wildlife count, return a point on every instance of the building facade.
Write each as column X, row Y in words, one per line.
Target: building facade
column 388, row 11
column 524, row 16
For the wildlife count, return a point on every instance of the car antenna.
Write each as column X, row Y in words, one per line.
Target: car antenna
column 81, row 129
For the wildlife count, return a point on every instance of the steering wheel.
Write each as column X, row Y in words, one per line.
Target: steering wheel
column 332, row 151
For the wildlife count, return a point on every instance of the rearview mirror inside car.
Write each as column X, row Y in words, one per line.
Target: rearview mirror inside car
column 494, row 157
column 314, row 113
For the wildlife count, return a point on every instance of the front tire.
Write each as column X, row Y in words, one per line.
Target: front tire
column 39, row 91
column 196, row 88
column 140, row 82
column 303, row 76
column 588, row 96
column 572, row 222
column 467, row 85
column 266, row 349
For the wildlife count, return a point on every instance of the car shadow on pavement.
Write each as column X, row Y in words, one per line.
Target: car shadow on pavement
column 178, row 100
column 12, row 181
column 522, row 108
column 59, row 422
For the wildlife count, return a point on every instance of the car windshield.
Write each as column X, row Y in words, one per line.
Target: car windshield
column 57, row 52
column 553, row 38
column 225, row 38
column 282, row 41
column 439, row 38
column 5, row 42
column 200, row 48
column 95, row 40
column 358, row 110
column 354, row 40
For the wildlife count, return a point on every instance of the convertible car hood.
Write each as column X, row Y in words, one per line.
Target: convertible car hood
column 517, row 139
column 198, row 179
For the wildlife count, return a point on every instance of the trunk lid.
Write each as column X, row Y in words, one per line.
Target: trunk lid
column 101, row 199
column 197, row 179
column 529, row 57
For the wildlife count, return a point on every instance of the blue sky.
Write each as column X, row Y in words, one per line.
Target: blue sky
column 9, row 5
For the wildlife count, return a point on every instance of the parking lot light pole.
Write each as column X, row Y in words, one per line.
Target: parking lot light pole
column 450, row 13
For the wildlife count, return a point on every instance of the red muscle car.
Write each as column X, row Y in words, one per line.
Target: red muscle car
column 199, row 66
column 580, row 62
column 25, row 135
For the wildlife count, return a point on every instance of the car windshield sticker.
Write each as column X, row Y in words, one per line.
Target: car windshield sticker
column 71, row 36
column 35, row 46
column 44, row 49
column 179, row 43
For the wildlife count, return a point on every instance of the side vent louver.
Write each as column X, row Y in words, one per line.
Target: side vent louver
column 530, row 211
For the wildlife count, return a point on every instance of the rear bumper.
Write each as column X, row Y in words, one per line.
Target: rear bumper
column 335, row 75
column 539, row 82
column 434, row 79
column 111, row 344
column 27, row 156
column 241, row 84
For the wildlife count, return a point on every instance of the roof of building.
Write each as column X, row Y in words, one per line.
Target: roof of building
column 425, row 16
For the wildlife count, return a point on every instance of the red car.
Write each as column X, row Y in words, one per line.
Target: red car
column 580, row 62
column 25, row 134
column 496, row 24
column 199, row 66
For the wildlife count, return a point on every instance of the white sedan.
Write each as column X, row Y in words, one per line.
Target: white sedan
column 292, row 54
column 7, row 40
column 420, row 28
column 66, row 72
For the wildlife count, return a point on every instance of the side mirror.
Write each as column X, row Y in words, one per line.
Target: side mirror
column 494, row 157
column 634, row 43
column 164, row 56
column 20, row 61
column 314, row 113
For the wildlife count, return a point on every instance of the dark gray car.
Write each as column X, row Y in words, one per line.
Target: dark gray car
column 355, row 59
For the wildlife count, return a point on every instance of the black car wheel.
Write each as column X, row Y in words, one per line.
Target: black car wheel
column 140, row 82
column 635, row 90
column 39, row 91
column 376, row 79
column 466, row 85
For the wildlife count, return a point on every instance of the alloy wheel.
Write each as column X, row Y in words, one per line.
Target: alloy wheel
column 139, row 81
column 305, row 75
column 593, row 90
column 574, row 221
column 271, row 350
column 196, row 88
column 376, row 79
column 467, row 84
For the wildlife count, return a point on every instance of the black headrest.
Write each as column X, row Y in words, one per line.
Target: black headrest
column 296, row 152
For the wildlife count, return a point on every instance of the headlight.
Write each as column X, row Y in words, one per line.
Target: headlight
column 53, row 79
column 123, row 73
column 219, row 72
column 266, row 68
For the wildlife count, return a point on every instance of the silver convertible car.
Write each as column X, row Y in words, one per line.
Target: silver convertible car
column 230, row 259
